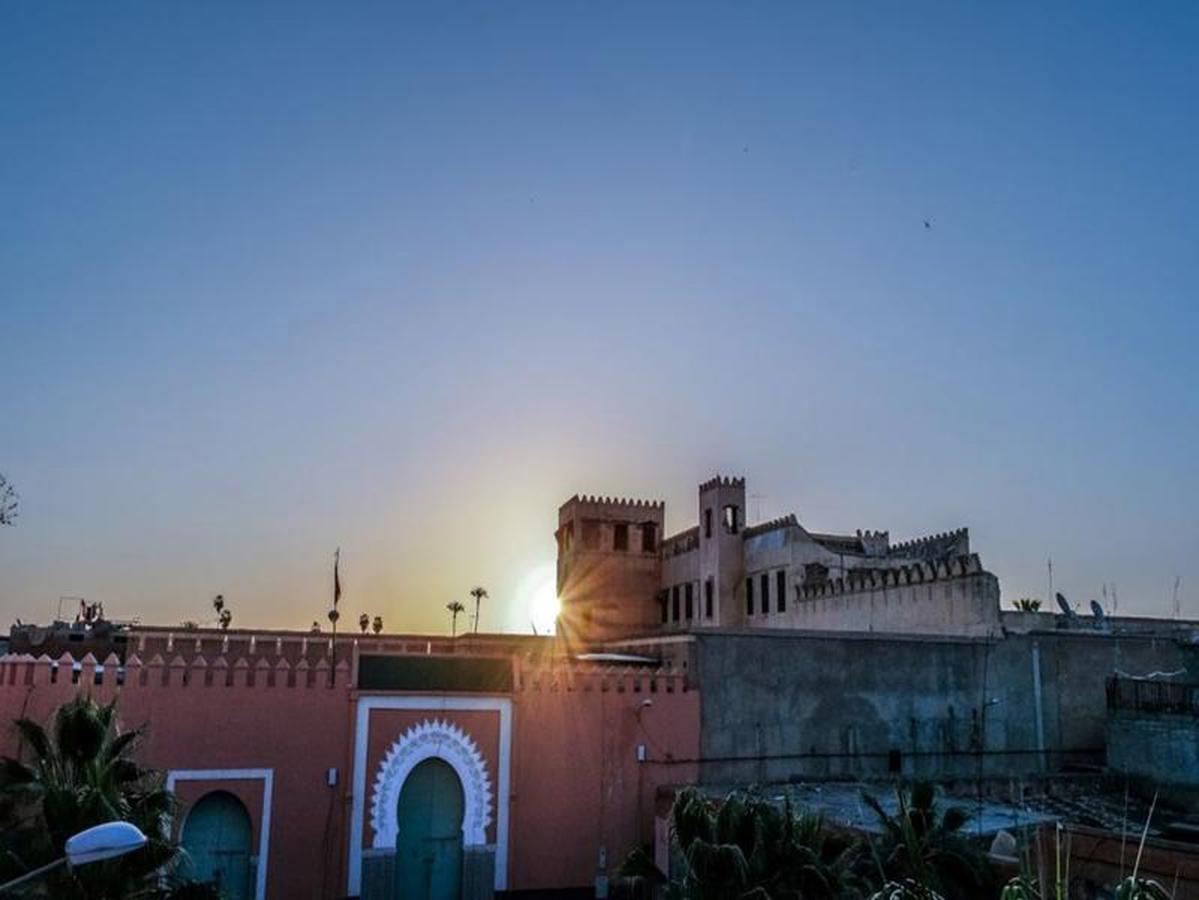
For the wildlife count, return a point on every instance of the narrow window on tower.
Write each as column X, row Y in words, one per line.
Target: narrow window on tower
column 749, row 596
column 731, row 519
column 690, row 600
column 781, row 600
column 709, row 590
column 620, row 536
column 674, row 602
column 649, row 538
column 765, row 592
column 707, row 523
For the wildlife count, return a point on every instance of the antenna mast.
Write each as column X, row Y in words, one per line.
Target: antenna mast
column 1177, row 609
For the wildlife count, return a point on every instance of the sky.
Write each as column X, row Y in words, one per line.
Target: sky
column 400, row 279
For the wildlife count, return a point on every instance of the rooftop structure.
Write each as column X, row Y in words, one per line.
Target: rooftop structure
column 618, row 576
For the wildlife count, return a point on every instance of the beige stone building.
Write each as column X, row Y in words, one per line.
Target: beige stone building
column 619, row 576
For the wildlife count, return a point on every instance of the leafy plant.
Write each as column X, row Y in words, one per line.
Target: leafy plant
column 748, row 847
column 904, row 890
column 1133, row 888
column 924, row 845
column 80, row 774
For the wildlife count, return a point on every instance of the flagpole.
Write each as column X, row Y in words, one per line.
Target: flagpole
column 334, row 615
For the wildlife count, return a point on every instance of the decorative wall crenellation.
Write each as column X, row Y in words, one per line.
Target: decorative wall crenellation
column 199, row 672
column 721, row 481
column 569, row 678
column 878, row 579
column 618, row 501
column 930, row 543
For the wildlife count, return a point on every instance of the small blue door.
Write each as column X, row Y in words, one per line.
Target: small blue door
column 429, row 842
column 217, row 837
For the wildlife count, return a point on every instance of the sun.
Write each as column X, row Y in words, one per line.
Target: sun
column 539, row 598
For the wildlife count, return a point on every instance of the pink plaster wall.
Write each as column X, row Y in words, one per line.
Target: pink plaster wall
column 575, row 783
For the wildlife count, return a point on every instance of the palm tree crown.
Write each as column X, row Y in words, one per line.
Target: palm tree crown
column 80, row 774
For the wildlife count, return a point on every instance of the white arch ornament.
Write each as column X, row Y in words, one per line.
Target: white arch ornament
column 432, row 739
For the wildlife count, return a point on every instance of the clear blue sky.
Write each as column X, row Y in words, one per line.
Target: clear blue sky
column 400, row 278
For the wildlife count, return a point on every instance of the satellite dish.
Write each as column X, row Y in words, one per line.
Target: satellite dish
column 1097, row 610
column 1065, row 607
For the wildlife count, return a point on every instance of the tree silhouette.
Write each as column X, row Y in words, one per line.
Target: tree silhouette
column 377, row 625
column 364, row 622
column 455, row 608
column 478, row 593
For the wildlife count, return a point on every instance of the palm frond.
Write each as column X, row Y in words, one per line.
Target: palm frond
column 34, row 735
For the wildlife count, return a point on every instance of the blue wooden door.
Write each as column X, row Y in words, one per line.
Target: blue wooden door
column 429, row 842
column 217, row 837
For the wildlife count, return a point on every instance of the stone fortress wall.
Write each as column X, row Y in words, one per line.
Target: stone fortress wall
column 607, row 735
column 778, row 574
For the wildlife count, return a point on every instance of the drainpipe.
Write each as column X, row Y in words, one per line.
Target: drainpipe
column 1037, row 699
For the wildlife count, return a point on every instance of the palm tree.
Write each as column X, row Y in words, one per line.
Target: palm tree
column 478, row 593
column 455, row 608
column 749, row 847
column 80, row 775
column 364, row 622
column 923, row 847
column 377, row 624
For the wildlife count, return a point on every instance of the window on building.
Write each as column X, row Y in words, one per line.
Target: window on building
column 649, row 537
column 709, row 591
column 690, row 600
column 765, row 592
column 707, row 523
column 749, row 596
column 780, row 600
column 620, row 536
column 674, row 602
column 731, row 518
column 663, row 602
column 591, row 534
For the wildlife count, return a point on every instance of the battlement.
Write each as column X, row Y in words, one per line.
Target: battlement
column 25, row 669
column 719, row 481
column 683, row 542
column 582, row 678
column 773, row 525
column 932, row 545
column 70, row 675
column 622, row 502
column 879, row 579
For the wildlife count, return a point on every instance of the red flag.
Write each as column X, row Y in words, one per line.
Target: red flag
column 336, row 577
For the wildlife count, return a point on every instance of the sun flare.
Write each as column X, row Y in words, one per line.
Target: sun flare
column 539, row 597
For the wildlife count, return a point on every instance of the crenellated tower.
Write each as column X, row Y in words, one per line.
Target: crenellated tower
column 609, row 567
column 721, row 547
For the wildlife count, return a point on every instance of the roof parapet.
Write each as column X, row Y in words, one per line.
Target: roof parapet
column 628, row 502
column 722, row 481
column 877, row 579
